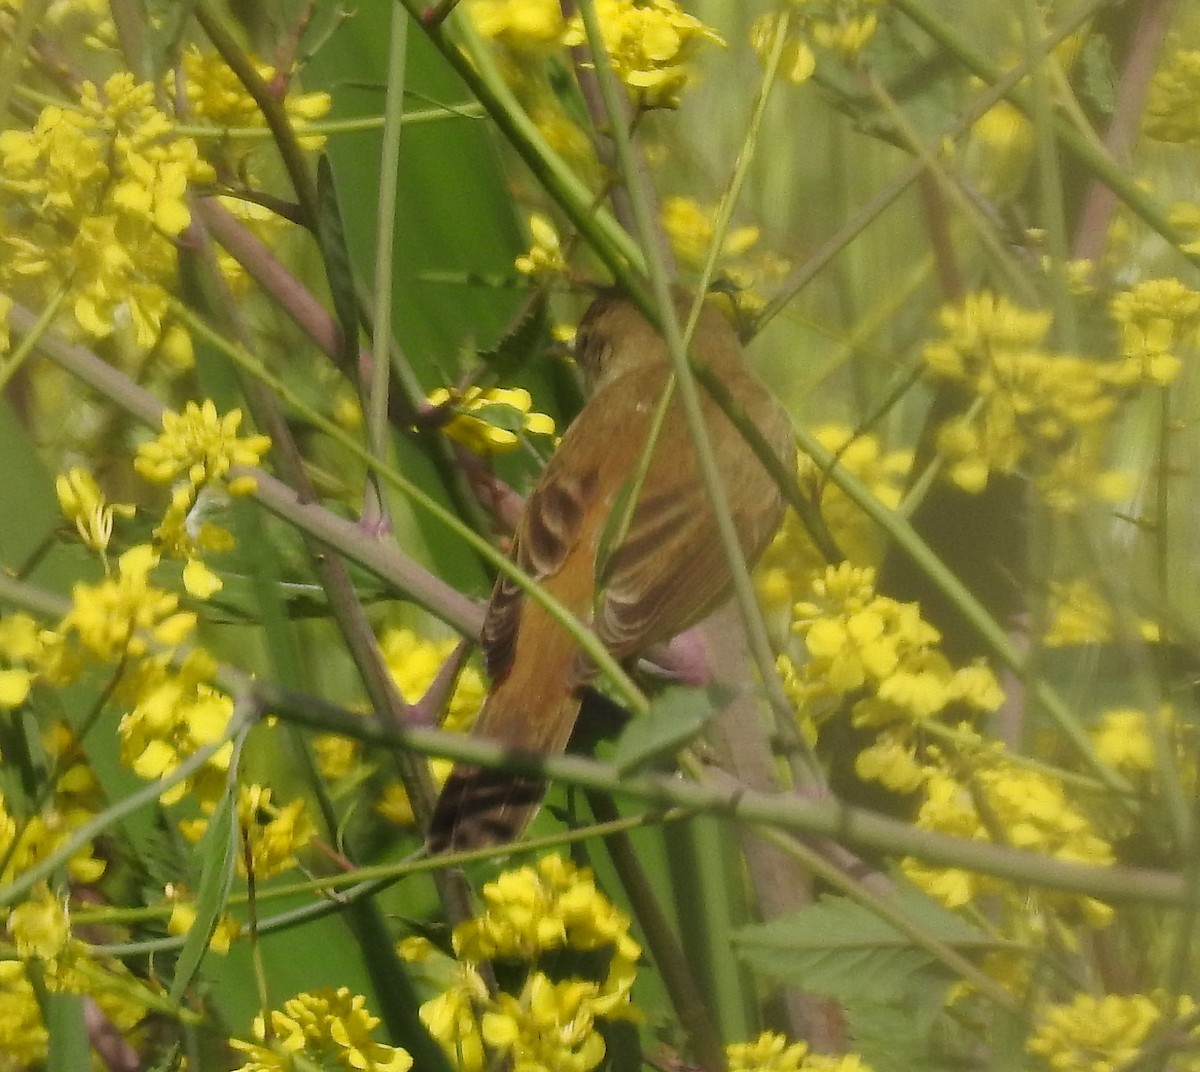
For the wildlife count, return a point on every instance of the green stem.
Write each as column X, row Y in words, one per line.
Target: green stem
column 327, row 127
column 378, row 426
column 33, row 336
column 668, row 955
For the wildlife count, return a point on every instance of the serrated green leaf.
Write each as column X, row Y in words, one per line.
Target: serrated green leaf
column 841, row 949
column 677, row 715
column 217, row 850
column 516, row 347
column 900, row 1036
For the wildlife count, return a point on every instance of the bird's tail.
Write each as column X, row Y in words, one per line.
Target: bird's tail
column 533, row 710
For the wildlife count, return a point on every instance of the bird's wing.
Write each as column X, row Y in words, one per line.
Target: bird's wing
column 671, row 570
column 567, row 511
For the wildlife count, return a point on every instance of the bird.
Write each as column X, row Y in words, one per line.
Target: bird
column 663, row 571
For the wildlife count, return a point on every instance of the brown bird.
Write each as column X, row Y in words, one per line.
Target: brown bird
column 665, row 574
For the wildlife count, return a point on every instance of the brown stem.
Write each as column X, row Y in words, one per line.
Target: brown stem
column 1153, row 21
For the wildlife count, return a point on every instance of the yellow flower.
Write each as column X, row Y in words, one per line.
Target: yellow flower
column 183, row 918
column 217, row 97
column 843, row 27
column 40, row 926
column 115, row 618
column 1093, row 1034
column 200, row 444
column 1078, row 615
column 21, row 1026
column 792, row 561
column 272, row 835
column 1123, row 741
column 770, row 1052
column 550, row 1028
column 648, row 45
column 545, row 256
column 525, row 26
column 863, row 645
column 1173, row 108
column 532, row 911
column 489, row 420
column 1156, row 316
column 1032, row 409
column 83, row 503
column 1028, row 809
column 328, row 1028
column 450, row 1019
column 414, row 663
column 174, row 713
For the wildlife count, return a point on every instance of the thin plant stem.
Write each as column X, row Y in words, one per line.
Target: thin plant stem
column 378, row 427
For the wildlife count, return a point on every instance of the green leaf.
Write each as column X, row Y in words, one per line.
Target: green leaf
column 841, row 949
column 331, row 237
column 217, row 850
column 677, row 715
column 69, row 1048
column 899, row 1037
column 1099, row 73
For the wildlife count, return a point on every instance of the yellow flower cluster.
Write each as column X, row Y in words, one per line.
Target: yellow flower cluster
column 689, row 226
column 84, row 505
column 843, row 27
column 129, row 623
column 860, row 644
column 1122, row 739
column 120, row 616
column 791, row 563
column 272, row 835
column 325, row 1029
column 1077, row 614
column 1100, row 1034
column 1042, row 412
column 648, row 45
column 1156, row 316
column 202, row 447
column 92, row 200
column 1001, row 801
column 772, row 1052
column 40, row 925
column 1173, row 108
column 183, row 918
column 26, row 841
column 216, row 97
column 648, row 42
column 201, row 444
column 524, row 26
column 534, row 918
column 490, row 420
column 545, row 255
